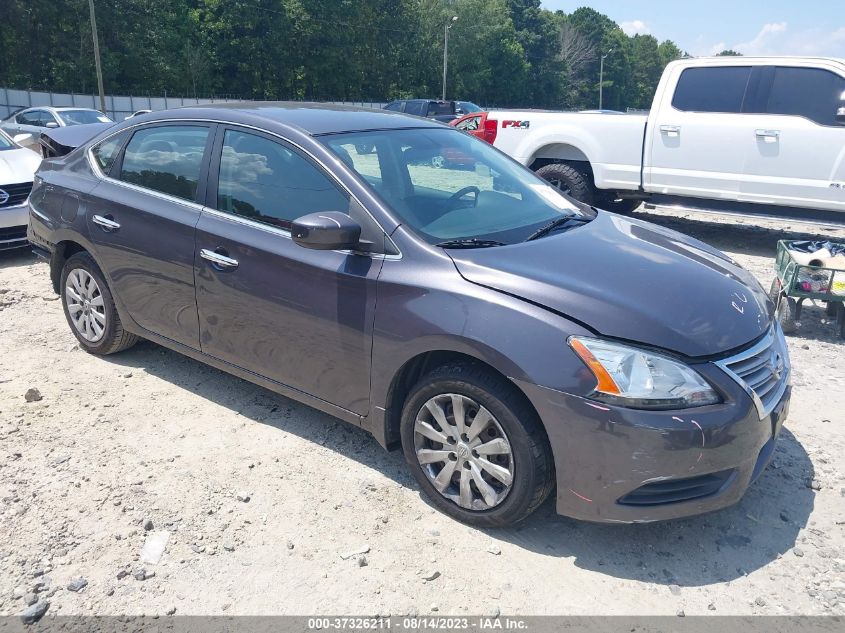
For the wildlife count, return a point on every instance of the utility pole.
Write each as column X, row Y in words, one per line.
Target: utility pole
column 601, row 77
column 446, row 50
column 97, row 65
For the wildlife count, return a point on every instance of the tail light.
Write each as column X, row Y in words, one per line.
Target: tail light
column 491, row 128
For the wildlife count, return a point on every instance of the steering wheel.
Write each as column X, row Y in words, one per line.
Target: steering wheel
column 460, row 193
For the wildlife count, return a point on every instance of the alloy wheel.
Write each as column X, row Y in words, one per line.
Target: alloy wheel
column 464, row 451
column 85, row 305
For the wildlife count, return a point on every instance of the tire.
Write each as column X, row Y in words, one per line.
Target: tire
column 101, row 331
column 786, row 307
column 831, row 308
column 569, row 180
column 512, row 427
column 840, row 319
column 622, row 206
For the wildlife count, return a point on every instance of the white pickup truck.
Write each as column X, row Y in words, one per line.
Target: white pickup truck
column 767, row 131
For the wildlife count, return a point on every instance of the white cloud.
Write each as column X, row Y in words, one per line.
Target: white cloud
column 775, row 38
column 635, row 27
column 766, row 42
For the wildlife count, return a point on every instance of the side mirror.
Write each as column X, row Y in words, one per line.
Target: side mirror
column 326, row 231
column 51, row 124
column 20, row 139
column 840, row 115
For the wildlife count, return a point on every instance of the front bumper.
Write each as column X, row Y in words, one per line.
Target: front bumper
column 624, row 465
column 13, row 221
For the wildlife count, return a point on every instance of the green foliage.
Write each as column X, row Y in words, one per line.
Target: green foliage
column 501, row 52
column 728, row 53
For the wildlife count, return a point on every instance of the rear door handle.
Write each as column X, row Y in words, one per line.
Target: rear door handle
column 219, row 260
column 670, row 130
column 107, row 223
column 768, row 136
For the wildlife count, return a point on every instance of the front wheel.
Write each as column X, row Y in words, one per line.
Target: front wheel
column 475, row 446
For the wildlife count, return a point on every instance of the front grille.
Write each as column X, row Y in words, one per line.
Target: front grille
column 12, row 237
column 676, row 490
column 17, row 194
column 762, row 370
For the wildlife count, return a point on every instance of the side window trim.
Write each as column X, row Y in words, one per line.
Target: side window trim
column 117, row 166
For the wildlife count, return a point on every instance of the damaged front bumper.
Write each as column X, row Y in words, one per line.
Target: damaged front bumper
column 624, row 465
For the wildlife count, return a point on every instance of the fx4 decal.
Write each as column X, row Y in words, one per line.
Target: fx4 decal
column 522, row 125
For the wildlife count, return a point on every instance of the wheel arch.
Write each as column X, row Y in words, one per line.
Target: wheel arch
column 409, row 374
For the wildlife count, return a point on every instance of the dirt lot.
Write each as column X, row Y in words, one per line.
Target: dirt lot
column 261, row 499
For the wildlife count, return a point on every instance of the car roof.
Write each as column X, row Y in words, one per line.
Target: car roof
column 312, row 118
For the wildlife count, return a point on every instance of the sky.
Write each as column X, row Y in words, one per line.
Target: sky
column 752, row 27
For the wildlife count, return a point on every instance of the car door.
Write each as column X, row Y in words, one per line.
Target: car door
column 141, row 218
column 696, row 138
column 795, row 148
column 302, row 318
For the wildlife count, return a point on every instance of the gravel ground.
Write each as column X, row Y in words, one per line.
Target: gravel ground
column 265, row 506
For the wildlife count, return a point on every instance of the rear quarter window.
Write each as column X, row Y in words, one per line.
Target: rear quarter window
column 711, row 89
column 106, row 152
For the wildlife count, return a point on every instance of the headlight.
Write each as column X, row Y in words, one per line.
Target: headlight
column 635, row 378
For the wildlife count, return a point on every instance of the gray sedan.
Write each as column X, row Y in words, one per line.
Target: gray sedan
column 510, row 340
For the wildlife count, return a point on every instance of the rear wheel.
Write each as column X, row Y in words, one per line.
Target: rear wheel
column 89, row 307
column 786, row 307
column 569, row 180
column 475, row 446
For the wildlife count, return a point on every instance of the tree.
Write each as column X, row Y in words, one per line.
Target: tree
column 728, row 53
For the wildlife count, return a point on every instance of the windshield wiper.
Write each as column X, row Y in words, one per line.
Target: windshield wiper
column 471, row 242
column 558, row 223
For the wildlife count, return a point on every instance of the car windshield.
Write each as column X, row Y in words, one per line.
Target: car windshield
column 467, row 107
column 449, row 186
column 5, row 142
column 82, row 117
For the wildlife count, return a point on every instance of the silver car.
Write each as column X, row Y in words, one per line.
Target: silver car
column 33, row 121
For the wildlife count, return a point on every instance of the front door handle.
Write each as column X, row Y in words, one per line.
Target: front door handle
column 106, row 223
column 671, row 131
column 221, row 261
column 767, row 136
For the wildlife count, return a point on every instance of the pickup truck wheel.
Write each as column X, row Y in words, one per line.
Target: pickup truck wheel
column 89, row 308
column 569, row 180
column 622, row 206
column 475, row 446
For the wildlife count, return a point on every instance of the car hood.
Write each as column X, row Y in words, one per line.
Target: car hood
column 632, row 280
column 17, row 166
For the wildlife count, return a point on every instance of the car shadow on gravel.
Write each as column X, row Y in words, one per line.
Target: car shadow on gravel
column 712, row 548
column 17, row 257
column 749, row 238
column 698, row 551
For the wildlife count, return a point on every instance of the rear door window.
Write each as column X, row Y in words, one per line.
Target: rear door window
column 812, row 93
column 166, row 159
column 712, row 89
